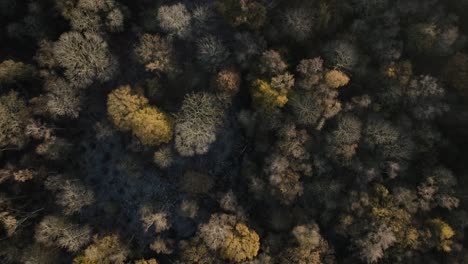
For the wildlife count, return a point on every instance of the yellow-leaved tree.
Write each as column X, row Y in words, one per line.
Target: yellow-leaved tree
column 129, row 111
column 151, row 126
column 122, row 104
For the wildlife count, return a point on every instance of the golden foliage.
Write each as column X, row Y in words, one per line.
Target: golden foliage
column 242, row 244
column 106, row 250
column 144, row 261
column 132, row 112
column 266, row 97
column 121, row 104
column 442, row 233
column 151, row 126
column 336, row 79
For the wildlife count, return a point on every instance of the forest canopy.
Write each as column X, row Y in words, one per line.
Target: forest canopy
column 233, row 131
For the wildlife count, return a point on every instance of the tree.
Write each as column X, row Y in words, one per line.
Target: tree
column 85, row 58
column 386, row 140
column 174, row 19
column 336, row 79
column 96, row 16
column 289, row 160
column 228, row 81
column 106, row 250
column 194, row 182
column 151, row 126
column 310, row 73
column 164, row 157
column 271, row 63
column 266, row 97
column 12, row 71
column 374, row 244
column 156, row 53
column 308, row 246
column 122, row 103
column 60, row 100
column 71, row 194
column 456, row 72
column 421, row 38
column 132, row 112
column 159, row 221
column 440, row 233
column 425, row 98
column 251, row 13
column 298, row 22
column 14, row 117
column 343, row 141
column 211, row 53
column 197, row 122
column 341, row 54
column 55, row 231
column 233, row 240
